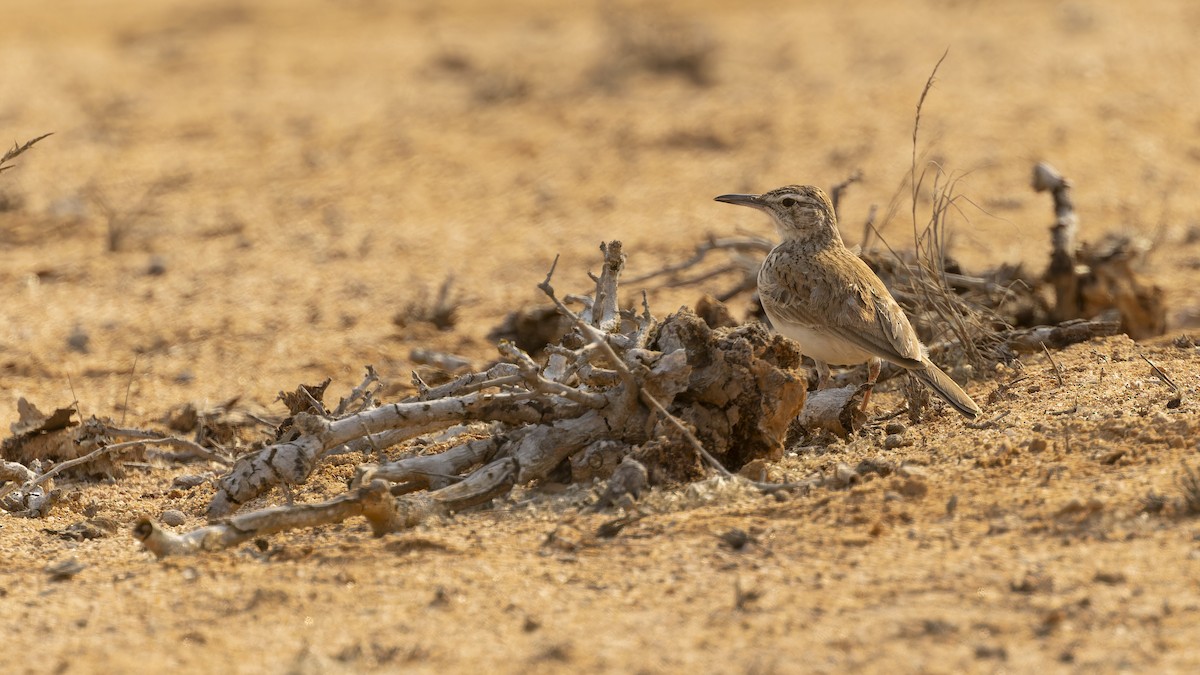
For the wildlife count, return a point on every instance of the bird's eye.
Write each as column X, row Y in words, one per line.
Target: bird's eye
column 788, row 202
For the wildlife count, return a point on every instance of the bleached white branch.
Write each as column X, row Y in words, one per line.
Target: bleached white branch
column 290, row 462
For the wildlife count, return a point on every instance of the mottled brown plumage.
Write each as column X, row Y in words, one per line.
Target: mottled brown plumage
column 815, row 291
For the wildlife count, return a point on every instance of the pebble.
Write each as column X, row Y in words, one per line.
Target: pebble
column 173, row 517
column 188, row 481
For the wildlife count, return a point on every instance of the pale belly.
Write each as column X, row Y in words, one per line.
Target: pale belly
column 821, row 346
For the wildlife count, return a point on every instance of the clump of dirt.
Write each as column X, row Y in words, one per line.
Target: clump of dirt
column 745, row 387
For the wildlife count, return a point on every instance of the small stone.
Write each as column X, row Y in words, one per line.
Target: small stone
column 875, row 465
column 173, row 517
column 997, row 652
column 844, row 475
column 64, row 569
column 78, row 340
column 187, row 481
column 441, row 597
column 895, row 428
column 736, row 538
column 893, row 441
column 157, row 266
column 938, row 627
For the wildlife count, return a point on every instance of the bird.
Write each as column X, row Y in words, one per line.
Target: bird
column 817, row 292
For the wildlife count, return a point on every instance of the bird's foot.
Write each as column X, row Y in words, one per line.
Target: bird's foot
column 873, row 368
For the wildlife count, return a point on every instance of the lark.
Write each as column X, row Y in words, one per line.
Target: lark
column 817, row 292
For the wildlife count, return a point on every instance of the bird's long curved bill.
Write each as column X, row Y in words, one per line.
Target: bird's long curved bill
column 753, row 201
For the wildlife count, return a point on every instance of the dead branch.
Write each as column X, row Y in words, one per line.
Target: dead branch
column 12, row 477
column 542, row 402
column 152, row 438
column 837, row 411
column 603, row 312
column 601, row 341
column 440, row 360
column 372, row 501
column 30, row 495
column 363, row 392
column 533, row 380
column 431, row 472
column 17, row 473
column 1089, row 280
column 618, row 384
column 1061, row 272
column 499, row 375
column 90, row 457
column 1030, row 340
column 836, row 192
column 291, row 461
column 746, row 253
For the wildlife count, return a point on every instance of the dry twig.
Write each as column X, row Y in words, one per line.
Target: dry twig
column 1057, row 370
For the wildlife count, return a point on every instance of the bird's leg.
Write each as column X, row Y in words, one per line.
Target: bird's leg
column 822, row 374
column 873, row 367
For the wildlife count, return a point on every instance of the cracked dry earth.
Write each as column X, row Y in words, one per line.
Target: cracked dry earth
column 281, row 178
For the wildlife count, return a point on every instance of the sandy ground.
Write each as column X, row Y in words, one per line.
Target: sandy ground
column 298, row 172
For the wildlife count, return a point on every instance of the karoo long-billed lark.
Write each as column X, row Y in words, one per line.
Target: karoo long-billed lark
column 817, row 292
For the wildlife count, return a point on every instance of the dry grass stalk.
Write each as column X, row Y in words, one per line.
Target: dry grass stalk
column 441, row 312
column 17, row 150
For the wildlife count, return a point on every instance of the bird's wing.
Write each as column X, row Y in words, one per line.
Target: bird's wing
column 789, row 302
column 862, row 311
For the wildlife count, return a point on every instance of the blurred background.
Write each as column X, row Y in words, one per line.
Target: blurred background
column 240, row 196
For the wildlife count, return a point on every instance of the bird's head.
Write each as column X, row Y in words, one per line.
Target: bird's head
column 799, row 211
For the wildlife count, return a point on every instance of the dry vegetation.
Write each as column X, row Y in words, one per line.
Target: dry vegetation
column 239, row 198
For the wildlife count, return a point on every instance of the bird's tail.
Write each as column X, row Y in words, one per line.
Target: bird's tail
column 948, row 389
